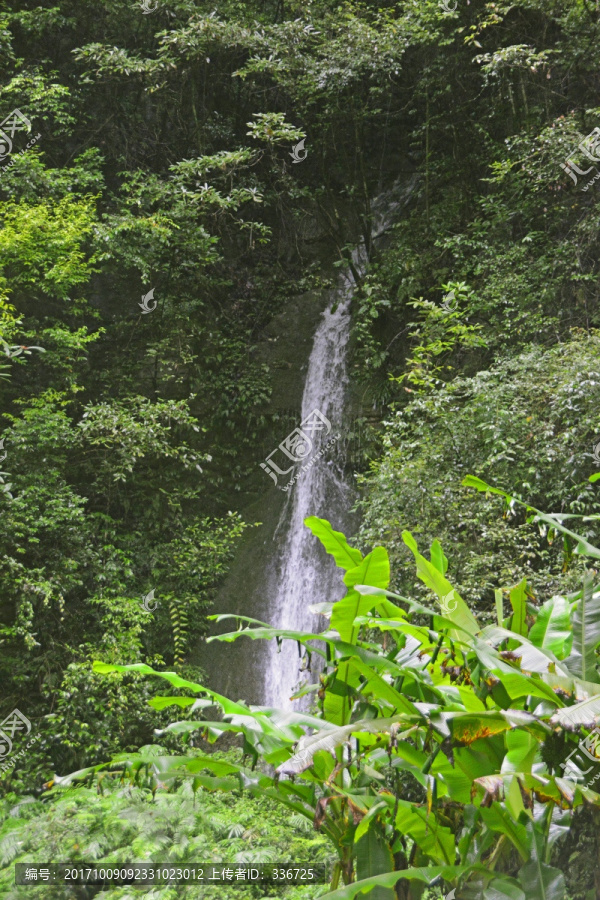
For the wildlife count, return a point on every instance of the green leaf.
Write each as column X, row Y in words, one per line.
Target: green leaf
column 479, row 485
column 499, row 607
column 497, row 818
column 335, row 543
column 586, row 634
column 425, row 875
column 374, row 857
column 456, row 610
column 522, row 752
column 518, row 601
column 552, row 627
column 539, row 880
column 363, row 825
column 438, row 559
column 373, row 571
column 434, row 839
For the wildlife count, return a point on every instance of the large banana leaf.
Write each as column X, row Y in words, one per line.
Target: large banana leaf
column 583, row 546
column 552, row 627
column 457, row 610
column 374, row 570
column 424, row 875
column 431, row 836
column 539, row 880
column 586, row 634
column 335, row 543
column 497, row 818
column 586, row 713
column 374, row 857
column 339, row 694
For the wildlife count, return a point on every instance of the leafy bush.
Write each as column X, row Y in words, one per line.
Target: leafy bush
column 530, row 423
column 444, row 751
column 125, row 824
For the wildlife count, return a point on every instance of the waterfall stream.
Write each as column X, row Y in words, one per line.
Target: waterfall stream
column 319, row 490
column 304, row 576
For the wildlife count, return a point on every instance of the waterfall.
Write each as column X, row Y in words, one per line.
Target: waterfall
column 319, row 490
column 304, row 574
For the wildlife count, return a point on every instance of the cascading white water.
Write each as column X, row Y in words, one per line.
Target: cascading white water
column 320, row 490
column 303, row 577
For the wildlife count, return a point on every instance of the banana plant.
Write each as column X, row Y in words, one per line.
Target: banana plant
column 439, row 751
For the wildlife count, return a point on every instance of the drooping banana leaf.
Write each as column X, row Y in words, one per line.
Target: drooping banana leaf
column 583, row 547
column 456, row 610
column 374, row 857
column 552, row 627
column 335, row 543
column 586, row 634
column 374, row 570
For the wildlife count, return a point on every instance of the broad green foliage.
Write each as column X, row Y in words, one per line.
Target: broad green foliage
column 132, row 440
column 528, row 423
column 174, row 828
column 438, row 752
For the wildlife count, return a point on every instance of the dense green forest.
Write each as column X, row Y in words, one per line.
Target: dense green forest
column 182, row 186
